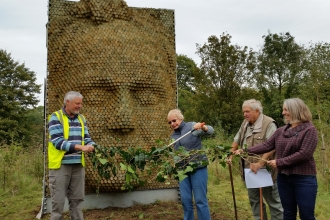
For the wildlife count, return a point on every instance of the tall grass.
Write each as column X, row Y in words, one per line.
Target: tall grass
column 220, row 192
column 21, row 173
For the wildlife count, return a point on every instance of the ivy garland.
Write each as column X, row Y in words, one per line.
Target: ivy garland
column 137, row 162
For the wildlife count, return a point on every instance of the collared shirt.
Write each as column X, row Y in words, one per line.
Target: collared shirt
column 256, row 127
column 55, row 129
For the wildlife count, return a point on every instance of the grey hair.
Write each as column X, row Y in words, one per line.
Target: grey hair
column 253, row 104
column 72, row 95
column 299, row 111
column 176, row 112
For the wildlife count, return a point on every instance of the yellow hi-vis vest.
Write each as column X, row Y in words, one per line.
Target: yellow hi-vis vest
column 55, row 156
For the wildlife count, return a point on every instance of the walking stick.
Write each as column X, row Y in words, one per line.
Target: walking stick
column 232, row 190
column 261, row 205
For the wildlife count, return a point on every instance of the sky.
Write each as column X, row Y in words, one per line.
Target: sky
column 23, row 25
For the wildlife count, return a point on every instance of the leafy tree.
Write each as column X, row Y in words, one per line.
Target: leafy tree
column 186, row 71
column 224, row 71
column 315, row 90
column 280, row 69
column 317, row 77
column 34, row 122
column 17, row 95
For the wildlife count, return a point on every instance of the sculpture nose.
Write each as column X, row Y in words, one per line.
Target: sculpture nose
column 124, row 115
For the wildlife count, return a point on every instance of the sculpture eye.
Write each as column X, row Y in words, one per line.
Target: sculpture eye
column 145, row 97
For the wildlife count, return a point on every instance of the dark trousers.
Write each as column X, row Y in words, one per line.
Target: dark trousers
column 297, row 192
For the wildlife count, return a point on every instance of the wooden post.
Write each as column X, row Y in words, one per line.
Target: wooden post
column 232, row 190
column 261, row 205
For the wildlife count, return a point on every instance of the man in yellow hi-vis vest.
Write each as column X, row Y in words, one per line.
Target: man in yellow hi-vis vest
column 68, row 140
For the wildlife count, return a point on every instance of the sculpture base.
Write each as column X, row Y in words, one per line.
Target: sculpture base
column 118, row 199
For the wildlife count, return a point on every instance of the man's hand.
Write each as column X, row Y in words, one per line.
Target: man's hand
column 238, row 152
column 85, row 148
column 255, row 167
column 234, row 147
column 229, row 160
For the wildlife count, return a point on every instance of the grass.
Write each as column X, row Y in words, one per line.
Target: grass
column 221, row 196
column 21, row 192
column 20, row 182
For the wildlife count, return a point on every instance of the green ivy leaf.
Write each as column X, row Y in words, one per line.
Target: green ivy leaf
column 188, row 169
column 176, row 159
column 128, row 178
column 103, row 161
column 129, row 169
column 123, row 166
column 160, row 177
column 181, row 175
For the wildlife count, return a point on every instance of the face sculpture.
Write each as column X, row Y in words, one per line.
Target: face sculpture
column 125, row 70
column 129, row 94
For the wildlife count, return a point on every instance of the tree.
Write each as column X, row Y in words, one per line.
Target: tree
column 279, row 71
column 186, row 71
column 224, row 71
column 17, row 95
column 34, row 122
column 315, row 90
column 315, row 84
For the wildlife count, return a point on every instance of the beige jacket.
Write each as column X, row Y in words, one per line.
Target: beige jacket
column 253, row 135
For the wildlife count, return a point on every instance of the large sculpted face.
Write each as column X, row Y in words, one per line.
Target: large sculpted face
column 128, row 92
column 123, row 63
column 126, row 72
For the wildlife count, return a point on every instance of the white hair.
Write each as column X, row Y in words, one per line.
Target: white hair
column 253, row 104
column 72, row 95
column 177, row 113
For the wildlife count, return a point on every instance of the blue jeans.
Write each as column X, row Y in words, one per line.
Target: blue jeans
column 195, row 185
column 297, row 190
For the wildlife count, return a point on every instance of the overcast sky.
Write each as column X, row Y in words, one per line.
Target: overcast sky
column 23, row 24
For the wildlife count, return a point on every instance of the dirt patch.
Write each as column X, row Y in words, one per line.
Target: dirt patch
column 155, row 211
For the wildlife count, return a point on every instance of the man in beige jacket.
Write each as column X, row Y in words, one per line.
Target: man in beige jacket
column 255, row 129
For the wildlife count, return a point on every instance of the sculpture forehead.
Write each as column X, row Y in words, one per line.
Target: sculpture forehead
column 121, row 38
column 130, row 52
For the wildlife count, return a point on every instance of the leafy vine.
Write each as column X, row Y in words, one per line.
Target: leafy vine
column 137, row 162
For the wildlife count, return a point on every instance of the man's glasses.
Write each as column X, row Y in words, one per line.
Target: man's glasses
column 170, row 122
